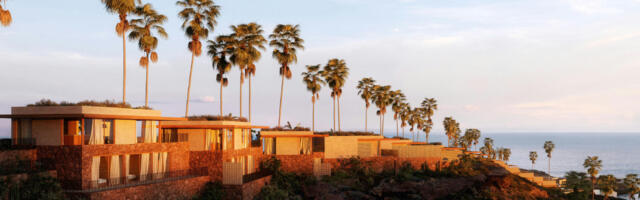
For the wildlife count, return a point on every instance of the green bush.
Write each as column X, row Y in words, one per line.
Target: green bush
column 211, row 191
column 35, row 187
column 272, row 192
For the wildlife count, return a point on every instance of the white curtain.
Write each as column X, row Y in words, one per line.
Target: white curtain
column 268, row 145
column 114, row 170
column 149, row 132
column 154, row 163
column 163, row 162
column 250, row 166
column 207, row 140
column 159, row 164
column 95, row 168
column 305, row 148
column 144, row 166
column 97, row 132
column 126, row 161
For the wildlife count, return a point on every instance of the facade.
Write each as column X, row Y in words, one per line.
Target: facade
column 104, row 152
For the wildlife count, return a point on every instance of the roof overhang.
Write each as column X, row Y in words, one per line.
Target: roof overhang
column 377, row 139
column 93, row 116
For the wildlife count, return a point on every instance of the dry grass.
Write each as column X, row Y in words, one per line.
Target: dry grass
column 216, row 118
column 105, row 103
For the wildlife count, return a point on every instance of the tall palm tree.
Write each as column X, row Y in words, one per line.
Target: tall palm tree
column 466, row 140
column 500, row 152
column 450, row 127
column 430, row 105
column 335, row 73
column 199, row 19
column 593, row 166
column 397, row 102
column 254, row 44
column 488, row 146
column 142, row 30
column 533, row 156
column 219, row 51
column 314, row 82
column 123, row 8
column 631, row 181
column 381, row 98
column 405, row 114
column 548, row 148
column 607, row 184
column 285, row 40
column 248, row 42
column 5, row 15
column 474, row 135
column 506, row 154
column 365, row 90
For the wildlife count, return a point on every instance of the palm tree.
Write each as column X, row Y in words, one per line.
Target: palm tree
column 254, row 43
column 314, row 83
column 248, row 42
column 631, row 181
column 219, row 50
column 5, row 15
column 451, row 126
column 335, row 73
column 365, row 90
column 397, row 102
column 199, row 19
column 593, row 166
column 430, row 105
column 122, row 8
column 142, row 30
column 466, row 140
column 405, row 114
column 533, row 156
column 548, row 148
column 488, row 146
column 607, row 184
column 506, row 154
column 474, row 135
column 285, row 40
column 381, row 99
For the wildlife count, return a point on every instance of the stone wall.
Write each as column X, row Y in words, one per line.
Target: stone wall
column 247, row 191
column 66, row 160
column 298, row 163
column 179, row 189
column 212, row 160
column 20, row 154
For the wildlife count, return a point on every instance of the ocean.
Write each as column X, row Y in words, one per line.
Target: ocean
column 619, row 152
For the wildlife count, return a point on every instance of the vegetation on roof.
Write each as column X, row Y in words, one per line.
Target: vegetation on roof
column 216, row 118
column 105, row 103
column 288, row 127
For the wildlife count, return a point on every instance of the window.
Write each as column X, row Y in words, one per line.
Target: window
column 229, row 142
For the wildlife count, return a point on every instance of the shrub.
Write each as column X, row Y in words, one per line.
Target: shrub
column 216, row 118
column 272, row 192
column 105, row 103
column 211, row 191
column 36, row 187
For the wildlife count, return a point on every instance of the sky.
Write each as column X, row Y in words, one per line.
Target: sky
column 495, row 65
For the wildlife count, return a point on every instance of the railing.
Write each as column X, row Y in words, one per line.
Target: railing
column 122, row 182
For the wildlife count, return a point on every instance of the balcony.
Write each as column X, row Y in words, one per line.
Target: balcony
column 131, row 181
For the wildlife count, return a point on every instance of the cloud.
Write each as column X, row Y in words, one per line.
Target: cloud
column 207, row 99
column 591, row 7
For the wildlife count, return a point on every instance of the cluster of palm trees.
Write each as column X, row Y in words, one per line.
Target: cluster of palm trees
column 382, row 96
column 334, row 74
column 548, row 148
column 242, row 48
column 503, row 154
column 608, row 183
column 5, row 14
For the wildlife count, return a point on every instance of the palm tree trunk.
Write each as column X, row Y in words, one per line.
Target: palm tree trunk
column 549, row 169
column 313, row 113
column 221, row 82
column 426, row 137
column 339, row 129
column 380, row 122
column 124, row 69
column 397, row 128
column 403, row 131
column 334, row 113
column 241, row 81
column 249, row 98
column 593, row 185
column 382, row 131
column 366, row 116
column 186, row 112
column 146, row 85
column 280, row 109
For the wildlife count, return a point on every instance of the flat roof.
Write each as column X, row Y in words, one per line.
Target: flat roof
column 286, row 135
column 198, row 126
column 94, row 116
column 377, row 139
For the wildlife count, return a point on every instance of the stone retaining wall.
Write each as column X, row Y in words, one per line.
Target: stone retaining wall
column 179, row 189
column 247, row 191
